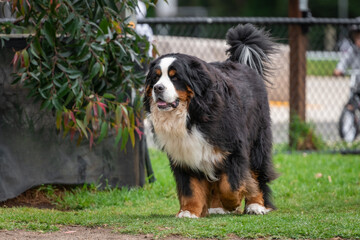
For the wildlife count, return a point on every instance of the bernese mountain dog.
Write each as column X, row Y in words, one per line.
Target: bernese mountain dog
column 213, row 121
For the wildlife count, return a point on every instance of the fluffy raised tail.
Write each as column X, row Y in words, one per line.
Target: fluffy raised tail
column 250, row 46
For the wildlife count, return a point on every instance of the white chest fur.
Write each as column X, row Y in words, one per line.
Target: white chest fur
column 186, row 148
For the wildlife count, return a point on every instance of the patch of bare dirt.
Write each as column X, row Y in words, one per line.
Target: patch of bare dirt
column 78, row 232
column 38, row 197
column 70, row 233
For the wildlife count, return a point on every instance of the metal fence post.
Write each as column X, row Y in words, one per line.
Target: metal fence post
column 297, row 42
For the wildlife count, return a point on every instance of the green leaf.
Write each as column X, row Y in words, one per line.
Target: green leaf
column 97, row 47
column 104, row 25
column 49, row 33
column 69, row 18
column 88, row 114
column 33, row 61
column 71, row 26
column 125, row 137
column 47, row 87
column 75, row 75
column 103, row 131
column 79, row 97
column 46, row 65
column 95, row 70
column 58, row 119
column 57, row 83
column 111, row 6
column 56, row 104
column 118, row 116
column 25, row 56
column 82, row 127
column 118, row 136
column 61, row 67
column 132, row 136
column 37, row 47
column 110, row 34
column 69, row 98
column 23, row 76
column 63, row 90
column 65, row 54
column 46, row 104
column 75, row 84
column 35, row 76
column 109, row 96
column 131, row 117
column 46, row 74
column 84, row 58
column 42, row 93
column 125, row 116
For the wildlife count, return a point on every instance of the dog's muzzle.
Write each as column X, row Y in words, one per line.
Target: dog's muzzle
column 161, row 104
column 161, row 101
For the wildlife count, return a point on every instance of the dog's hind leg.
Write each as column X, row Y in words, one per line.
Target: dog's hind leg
column 230, row 198
column 262, row 172
column 254, row 201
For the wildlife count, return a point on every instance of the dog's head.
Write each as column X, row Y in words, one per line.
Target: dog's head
column 172, row 79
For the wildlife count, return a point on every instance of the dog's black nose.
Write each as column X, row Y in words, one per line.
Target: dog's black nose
column 159, row 88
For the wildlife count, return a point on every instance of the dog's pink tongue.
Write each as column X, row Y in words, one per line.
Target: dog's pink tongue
column 161, row 103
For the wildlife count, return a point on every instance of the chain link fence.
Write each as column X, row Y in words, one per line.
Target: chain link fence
column 323, row 96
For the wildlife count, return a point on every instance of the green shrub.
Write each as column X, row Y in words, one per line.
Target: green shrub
column 303, row 136
column 83, row 61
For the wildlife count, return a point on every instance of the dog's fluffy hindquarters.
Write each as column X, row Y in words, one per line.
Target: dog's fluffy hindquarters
column 213, row 121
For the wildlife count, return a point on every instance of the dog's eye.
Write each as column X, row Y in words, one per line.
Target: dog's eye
column 174, row 78
column 172, row 73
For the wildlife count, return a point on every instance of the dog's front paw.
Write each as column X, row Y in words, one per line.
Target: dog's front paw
column 217, row 211
column 186, row 214
column 256, row 209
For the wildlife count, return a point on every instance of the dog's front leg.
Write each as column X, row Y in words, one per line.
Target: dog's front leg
column 196, row 203
column 193, row 193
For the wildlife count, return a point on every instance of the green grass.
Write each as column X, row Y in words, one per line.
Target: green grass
column 320, row 67
column 308, row 206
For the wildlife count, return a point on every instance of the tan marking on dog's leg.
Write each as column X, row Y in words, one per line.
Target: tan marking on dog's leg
column 197, row 204
column 215, row 197
column 230, row 199
column 254, row 195
column 254, row 200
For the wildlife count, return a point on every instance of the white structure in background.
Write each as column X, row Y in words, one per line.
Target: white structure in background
column 167, row 9
column 144, row 29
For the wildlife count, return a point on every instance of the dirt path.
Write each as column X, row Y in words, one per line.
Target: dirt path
column 70, row 233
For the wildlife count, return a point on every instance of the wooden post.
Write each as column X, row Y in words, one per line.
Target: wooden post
column 297, row 42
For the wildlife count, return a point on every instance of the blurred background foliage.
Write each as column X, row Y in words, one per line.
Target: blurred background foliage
column 268, row 8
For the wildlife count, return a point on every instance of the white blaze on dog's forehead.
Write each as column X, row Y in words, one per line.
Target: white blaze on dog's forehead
column 170, row 93
column 165, row 63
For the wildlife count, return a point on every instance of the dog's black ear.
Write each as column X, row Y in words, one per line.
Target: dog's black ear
column 202, row 83
column 197, row 77
column 150, row 77
column 149, row 82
